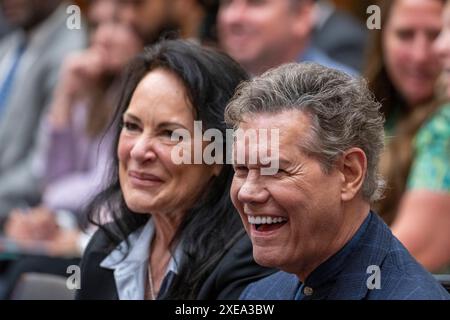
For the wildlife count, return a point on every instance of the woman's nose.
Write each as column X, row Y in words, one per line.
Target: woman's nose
column 143, row 150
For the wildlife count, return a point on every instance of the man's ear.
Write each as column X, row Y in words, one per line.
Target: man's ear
column 353, row 167
column 303, row 14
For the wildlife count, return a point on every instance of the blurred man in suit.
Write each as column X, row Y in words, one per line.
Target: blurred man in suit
column 264, row 34
column 29, row 64
column 338, row 34
column 311, row 218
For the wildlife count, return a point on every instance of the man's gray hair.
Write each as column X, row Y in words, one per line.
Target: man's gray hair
column 342, row 110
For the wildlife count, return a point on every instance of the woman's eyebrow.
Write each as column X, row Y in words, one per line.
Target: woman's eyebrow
column 170, row 124
column 131, row 116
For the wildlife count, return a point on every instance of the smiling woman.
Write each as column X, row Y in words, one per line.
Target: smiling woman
column 175, row 233
column 424, row 219
column 403, row 71
column 150, row 181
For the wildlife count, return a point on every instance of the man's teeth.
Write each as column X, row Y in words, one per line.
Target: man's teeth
column 265, row 220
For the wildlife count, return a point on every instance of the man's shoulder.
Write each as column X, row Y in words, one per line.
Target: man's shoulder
column 278, row 286
column 402, row 277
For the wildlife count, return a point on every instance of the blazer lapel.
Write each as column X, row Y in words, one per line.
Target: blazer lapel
column 102, row 286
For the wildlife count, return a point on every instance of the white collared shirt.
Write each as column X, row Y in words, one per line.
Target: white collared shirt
column 131, row 271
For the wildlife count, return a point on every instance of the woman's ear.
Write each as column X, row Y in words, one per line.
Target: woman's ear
column 353, row 167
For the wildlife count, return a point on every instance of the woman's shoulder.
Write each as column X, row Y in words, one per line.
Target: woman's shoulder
column 239, row 253
column 97, row 282
column 242, row 247
column 102, row 241
column 438, row 125
column 430, row 168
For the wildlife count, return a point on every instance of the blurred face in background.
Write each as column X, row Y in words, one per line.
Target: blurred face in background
column 101, row 11
column 114, row 42
column 442, row 46
column 26, row 14
column 408, row 36
column 117, row 43
column 264, row 33
column 147, row 17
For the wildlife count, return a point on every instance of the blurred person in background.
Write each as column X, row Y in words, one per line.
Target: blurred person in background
column 175, row 233
column 442, row 48
column 5, row 28
column 264, row 34
column 148, row 18
column 402, row 71
column 187, row 17
column 436, row 135
column 30, row 59
column 77, row 154
column 338, row 34
column 196, row 19
column 154, row 19
column 208, row 29
column 100, row 12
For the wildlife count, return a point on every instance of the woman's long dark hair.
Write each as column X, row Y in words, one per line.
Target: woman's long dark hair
column 212, row 225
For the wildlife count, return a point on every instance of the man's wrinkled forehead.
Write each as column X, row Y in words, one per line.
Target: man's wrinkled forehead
column 266, row 131
column 253, row 139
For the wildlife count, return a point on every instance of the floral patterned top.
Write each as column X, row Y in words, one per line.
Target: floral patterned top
column 431, row 166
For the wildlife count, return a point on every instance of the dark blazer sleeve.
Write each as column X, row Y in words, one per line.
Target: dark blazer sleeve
column 97, row 283
column 234, row 272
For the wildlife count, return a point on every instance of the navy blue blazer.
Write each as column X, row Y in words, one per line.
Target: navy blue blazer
column 401, row 276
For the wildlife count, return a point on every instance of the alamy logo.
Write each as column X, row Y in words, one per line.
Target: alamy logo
column 374, row 280
column 73, row 21
column 374, row 21
column 264, row 145
column 74, row 280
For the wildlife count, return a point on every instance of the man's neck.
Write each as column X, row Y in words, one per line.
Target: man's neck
column 354, row 215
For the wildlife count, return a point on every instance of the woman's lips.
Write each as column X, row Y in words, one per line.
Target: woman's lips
column 144, row 179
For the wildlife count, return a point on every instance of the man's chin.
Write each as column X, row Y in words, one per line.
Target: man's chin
column 266, row 259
